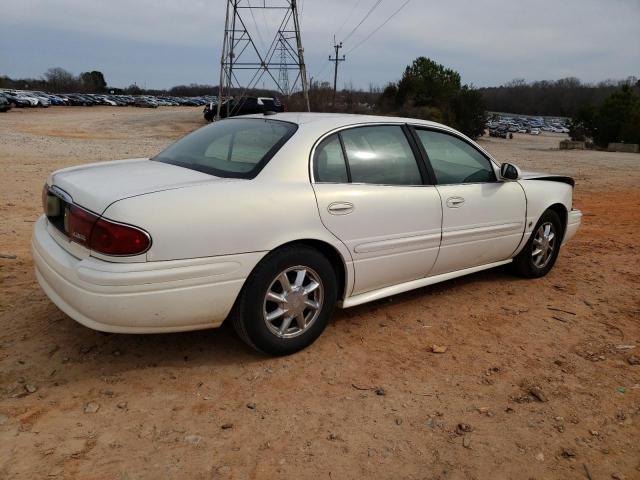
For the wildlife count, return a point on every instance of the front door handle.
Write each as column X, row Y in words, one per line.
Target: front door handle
column 455, row 202
column 340, row 208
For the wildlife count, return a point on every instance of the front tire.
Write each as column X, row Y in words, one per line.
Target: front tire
column 541, row 251
column 287, row 301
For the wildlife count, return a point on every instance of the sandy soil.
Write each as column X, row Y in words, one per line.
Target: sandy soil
column 369, row 399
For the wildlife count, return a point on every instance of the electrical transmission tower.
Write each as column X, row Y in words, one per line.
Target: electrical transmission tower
column 241, row 55
column 283, row 73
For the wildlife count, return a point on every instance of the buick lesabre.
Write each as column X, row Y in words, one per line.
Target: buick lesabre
column 273, row 220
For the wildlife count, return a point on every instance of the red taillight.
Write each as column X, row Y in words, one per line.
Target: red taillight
column 118, row 239
column 104, row 236
column 78, row 224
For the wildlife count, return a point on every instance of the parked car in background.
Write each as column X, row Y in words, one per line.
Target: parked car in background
column 500, row 132
column 15, row 100
column 145, row 102
column 273, row 220
column 33, row 101
column 243, row 106
column 5, row 105
column 27, row 98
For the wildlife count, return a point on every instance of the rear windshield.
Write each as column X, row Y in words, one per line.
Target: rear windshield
column 235, row 147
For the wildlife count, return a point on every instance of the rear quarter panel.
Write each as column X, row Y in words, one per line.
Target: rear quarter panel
column 226, row 218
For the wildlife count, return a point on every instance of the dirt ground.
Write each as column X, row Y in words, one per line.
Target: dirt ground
column 537, row 381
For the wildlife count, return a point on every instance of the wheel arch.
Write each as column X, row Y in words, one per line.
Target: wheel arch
column 331, row 253
column 562, row 212
column 543, row 195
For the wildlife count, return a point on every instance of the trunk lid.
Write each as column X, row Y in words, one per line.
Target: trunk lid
column 95, row 186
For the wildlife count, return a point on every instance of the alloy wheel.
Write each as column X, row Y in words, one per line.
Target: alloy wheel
column 544, row 244
column 293, row 301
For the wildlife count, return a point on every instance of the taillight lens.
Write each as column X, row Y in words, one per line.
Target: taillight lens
column 118, row 239
column 104, row 236
column 78, row 224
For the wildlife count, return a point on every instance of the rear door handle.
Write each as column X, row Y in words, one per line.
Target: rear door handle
column 455, row 202
column 340, row 208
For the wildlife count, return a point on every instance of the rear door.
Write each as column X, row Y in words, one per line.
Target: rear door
column 483, row 218
column 373, row 195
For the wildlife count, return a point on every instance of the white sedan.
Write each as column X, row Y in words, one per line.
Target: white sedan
column 273, row 220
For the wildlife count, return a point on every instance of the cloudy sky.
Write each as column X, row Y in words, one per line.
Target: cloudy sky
column 160, row 43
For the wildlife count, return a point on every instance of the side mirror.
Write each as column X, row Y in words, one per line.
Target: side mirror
column 510, row 172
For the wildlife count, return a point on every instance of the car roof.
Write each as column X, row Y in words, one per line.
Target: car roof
column 329, row 121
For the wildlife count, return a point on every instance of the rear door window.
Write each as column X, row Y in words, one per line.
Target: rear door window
column 380, row 155
column 329, row 163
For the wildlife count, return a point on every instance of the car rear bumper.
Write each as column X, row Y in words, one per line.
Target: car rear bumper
column 573, row 223
column 142, row 297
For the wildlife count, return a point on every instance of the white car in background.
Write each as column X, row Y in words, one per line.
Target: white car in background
column 272, row 220
column 29, row 98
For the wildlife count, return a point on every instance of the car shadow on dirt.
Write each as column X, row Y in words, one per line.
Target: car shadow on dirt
column 497, row 275
column 114, row 354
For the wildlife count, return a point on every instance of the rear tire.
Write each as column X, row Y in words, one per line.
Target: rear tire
column 541, row 251
column 287, row 301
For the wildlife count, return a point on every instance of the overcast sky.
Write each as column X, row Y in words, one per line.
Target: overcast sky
column 161, row 43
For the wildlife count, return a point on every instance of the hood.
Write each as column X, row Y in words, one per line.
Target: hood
column 547, row 176
column 97, row 185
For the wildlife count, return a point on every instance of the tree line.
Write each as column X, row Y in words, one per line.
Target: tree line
column 59, row 80
column 615, row 119
column 556, row 98
column 605, row 112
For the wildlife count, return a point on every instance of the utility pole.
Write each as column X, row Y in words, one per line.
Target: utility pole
column 337, row 47
column 241, row 55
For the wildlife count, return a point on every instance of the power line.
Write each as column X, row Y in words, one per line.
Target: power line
column 375, row 5
column 256, row 25
column 379, row 27
column 348, row 17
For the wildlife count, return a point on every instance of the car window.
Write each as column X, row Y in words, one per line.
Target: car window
column 380, row 155
column 236, row 148
column 329, row 162
column 455, row 161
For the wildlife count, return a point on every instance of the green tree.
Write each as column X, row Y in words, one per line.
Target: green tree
column 582, row 125
column 618, row 119
column 469, row 112
column 93, row 81
column 388, row 98
column 427, row 83
column 431, row 91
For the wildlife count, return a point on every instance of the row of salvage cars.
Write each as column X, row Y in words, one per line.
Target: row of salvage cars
column 273, row 220
column 23, row 98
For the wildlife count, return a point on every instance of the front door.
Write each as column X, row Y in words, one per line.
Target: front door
column 372, row 195
column 483, row 218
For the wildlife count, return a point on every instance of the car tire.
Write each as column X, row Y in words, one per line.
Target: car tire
column 541, row 251
column 289, row 324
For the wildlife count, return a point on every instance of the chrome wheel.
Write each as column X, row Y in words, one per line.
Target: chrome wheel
column 293, row 301
column 544, row 244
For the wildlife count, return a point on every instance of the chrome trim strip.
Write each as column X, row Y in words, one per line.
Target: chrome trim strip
column 429, row 240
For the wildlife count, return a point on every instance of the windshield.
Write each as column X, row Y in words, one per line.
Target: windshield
column 236, row 147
